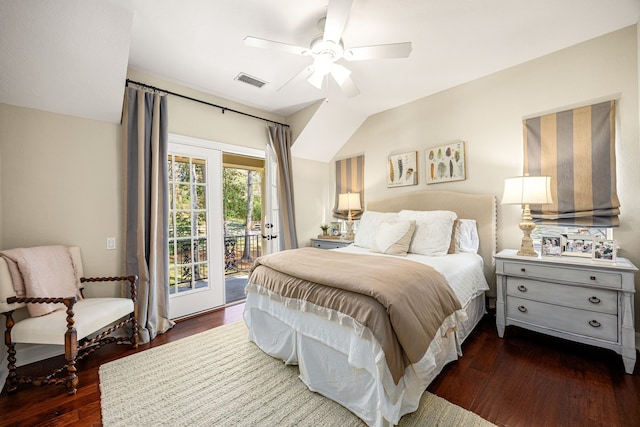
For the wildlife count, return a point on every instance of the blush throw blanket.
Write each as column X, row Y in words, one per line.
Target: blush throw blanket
column 402, row 302
column 42, row 271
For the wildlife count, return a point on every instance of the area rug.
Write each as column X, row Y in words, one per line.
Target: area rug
column 219, row 378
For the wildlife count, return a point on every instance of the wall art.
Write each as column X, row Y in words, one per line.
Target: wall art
column 402, row 169
column 446, row 163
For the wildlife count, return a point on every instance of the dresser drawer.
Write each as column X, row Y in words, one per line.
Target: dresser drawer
column 592, row 299
column 564, row 274
column 565, row 319
column 328, row 244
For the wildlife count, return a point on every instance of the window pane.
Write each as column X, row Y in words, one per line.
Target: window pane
column 181, row 166
column 201, row 200
column 183, row 197
column 183, row 224
column 171, row 230
column 184, row 255
column 185, row 273
column 201, row 273
column 169, row 168
column 199, row 171
column 202, row 223
column 202, row 249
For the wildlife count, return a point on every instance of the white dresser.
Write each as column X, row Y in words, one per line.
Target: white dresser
column 569, row 297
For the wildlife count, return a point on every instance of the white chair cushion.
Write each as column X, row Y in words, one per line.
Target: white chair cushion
column 90, row 315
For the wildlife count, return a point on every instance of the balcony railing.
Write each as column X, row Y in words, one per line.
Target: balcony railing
column 240, row 252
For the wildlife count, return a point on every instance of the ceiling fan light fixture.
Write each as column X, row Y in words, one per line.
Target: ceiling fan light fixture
column 322, row 63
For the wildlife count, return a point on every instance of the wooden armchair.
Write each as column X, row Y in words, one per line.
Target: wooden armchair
column 82, row 325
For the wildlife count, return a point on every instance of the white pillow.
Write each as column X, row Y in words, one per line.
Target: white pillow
column 368, row 227
column 468, row 236
column 394, row 238
column 433, row 231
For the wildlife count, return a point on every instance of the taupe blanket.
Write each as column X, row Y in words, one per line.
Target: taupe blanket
column 402, row 302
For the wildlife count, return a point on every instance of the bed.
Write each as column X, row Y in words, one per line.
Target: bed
column 348, row 362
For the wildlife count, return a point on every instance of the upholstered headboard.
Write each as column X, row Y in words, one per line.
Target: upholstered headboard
column 481, row 207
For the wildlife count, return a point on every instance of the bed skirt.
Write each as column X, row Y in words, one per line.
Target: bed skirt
column 350, row 368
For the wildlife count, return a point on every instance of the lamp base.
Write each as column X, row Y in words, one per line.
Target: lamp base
column 349, row 235
column 526, row 247
column 527, row 226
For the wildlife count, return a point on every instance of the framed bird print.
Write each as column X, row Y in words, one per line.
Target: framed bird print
column 446, row 163
column 402, row 169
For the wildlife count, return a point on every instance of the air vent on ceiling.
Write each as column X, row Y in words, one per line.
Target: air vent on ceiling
column 250, row 80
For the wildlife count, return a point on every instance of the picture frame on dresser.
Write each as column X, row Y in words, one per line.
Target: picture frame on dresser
column 579, row 246
column 551, row 246
column 604, row 250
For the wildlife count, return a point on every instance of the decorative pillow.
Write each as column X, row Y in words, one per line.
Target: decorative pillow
column 368, row 227
column 394, row 238
column 455, row 241
column 433, row 231
column 467, row 236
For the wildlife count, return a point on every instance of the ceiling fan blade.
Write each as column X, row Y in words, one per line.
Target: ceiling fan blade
column 316, row 79
column 382, row 51
column 340, row 73
column 268, row 44
column 302, row 75
column 337, row 15
column 349, row 88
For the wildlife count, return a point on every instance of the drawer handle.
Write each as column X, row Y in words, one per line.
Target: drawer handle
column 522, row 270
column 592, row 277
column 522, row 308
column 522, row 288
column 594, row 323
column 594, row 300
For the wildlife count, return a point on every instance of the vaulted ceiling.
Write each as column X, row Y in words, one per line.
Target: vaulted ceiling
column 71, row 56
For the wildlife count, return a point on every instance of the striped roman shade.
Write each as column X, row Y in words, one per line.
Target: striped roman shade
column 577, row 149
column 349, row 179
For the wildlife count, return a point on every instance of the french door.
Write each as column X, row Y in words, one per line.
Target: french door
column 196, row 225
column 196, row 273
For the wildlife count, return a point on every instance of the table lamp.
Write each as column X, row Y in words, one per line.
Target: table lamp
column 527, row 190
column 349, row 202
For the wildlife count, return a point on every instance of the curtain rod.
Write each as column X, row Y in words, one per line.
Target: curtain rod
column 144, row 85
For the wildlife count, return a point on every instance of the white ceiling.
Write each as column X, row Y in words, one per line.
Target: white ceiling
column 71, row 56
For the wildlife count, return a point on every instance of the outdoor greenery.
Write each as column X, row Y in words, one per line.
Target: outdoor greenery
column 241, row 199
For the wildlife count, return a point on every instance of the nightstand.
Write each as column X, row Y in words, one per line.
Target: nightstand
column 330, row 243
column 574, row 298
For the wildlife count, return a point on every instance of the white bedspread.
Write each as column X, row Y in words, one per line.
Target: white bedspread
column 463, row 271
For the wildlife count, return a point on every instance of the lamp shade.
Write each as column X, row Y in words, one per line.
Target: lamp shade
column 521, row 190
column 349, row 202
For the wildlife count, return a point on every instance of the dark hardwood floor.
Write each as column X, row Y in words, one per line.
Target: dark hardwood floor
column 525, row 379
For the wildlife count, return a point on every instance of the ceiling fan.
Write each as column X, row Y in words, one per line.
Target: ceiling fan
column 327, row 48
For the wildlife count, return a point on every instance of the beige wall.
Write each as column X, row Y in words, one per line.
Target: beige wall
column 61, row 184
column 487, row 114
column 61, row 176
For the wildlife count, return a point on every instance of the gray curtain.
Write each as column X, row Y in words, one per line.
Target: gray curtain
column 280, row 139
column 147, row 207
